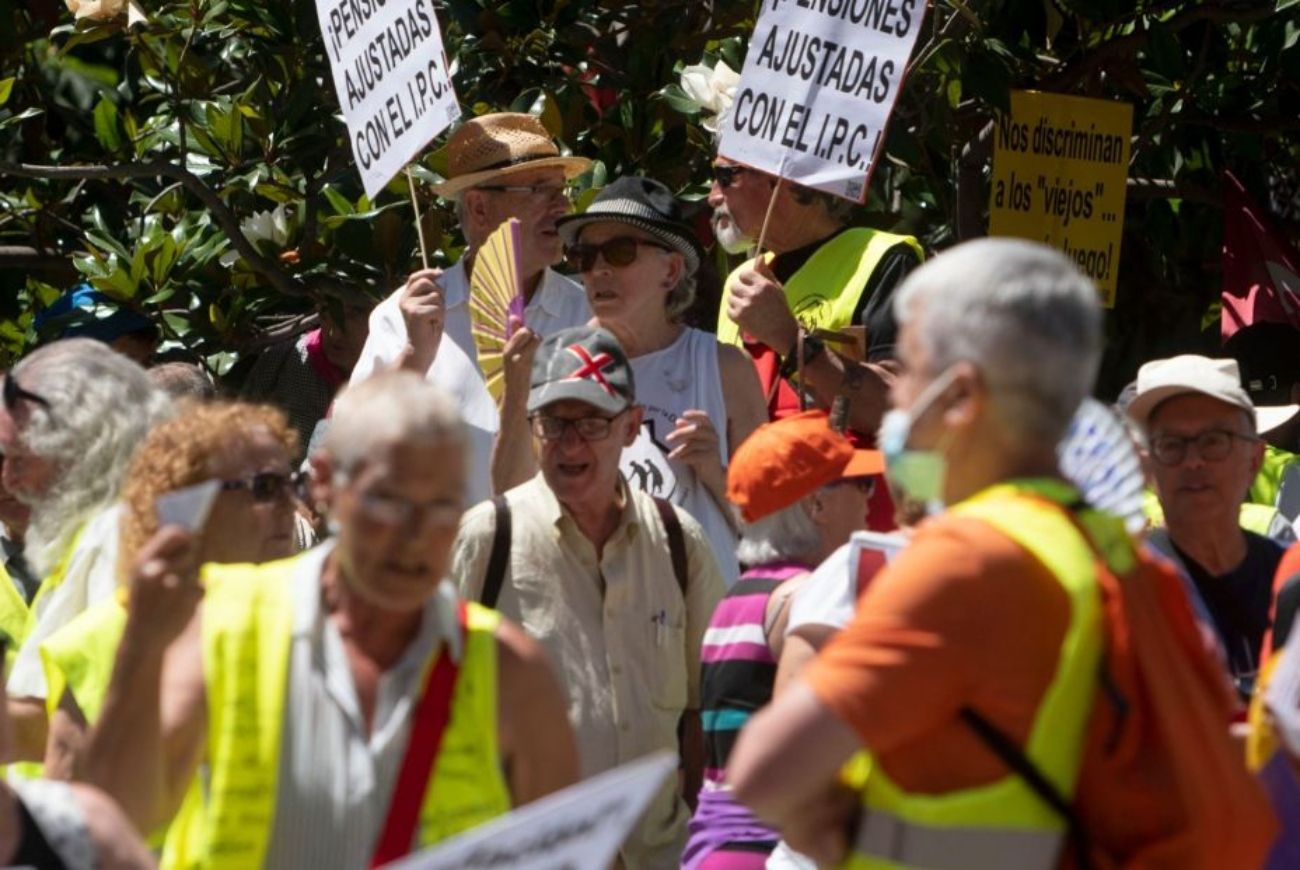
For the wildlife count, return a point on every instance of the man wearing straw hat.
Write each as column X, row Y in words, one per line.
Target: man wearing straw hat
column 501, row 166
column 819, row 273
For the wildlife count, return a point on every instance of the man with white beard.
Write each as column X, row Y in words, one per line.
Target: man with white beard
column 72, row 414
column 818, row 273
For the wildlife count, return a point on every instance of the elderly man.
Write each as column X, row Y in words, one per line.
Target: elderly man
column 1204, row 452
column 822, row 274
column 73, row 412
column 304, row 682
column 501, row 166
column 617, row 585
column 1000, row 342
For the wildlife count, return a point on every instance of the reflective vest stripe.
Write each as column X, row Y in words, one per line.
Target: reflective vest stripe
column 909, row 844
column 843, row 267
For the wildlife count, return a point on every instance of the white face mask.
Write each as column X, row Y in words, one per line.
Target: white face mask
column 918, row 474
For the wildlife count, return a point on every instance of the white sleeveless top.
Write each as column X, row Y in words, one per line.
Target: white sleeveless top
column 682, row 377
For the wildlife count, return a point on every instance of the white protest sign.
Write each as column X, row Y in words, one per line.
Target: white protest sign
column 884, row 545
column 579, row 827
column 819, row 82
column 390, row 74
column 188, row 507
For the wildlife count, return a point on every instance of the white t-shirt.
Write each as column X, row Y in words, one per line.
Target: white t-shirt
column 91, row 578
column 829, row 595
column 559, row 303
column 681, row 377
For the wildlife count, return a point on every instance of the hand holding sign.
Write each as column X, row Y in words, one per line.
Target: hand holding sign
column 756, row 302
column 164, row 588
column 423, row 312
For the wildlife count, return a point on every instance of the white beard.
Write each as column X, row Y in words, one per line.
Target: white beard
column 728, row 233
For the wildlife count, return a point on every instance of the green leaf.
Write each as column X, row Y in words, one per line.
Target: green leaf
column 107, row 129
column 6, row 88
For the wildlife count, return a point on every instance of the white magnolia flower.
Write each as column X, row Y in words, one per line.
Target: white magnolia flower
column 96, row 10
column 711, row 89
column 269, row 226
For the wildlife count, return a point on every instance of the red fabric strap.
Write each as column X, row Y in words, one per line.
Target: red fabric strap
column 422, row 745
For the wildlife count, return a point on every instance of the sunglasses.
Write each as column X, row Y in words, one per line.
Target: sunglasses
column 725, row 173
column 13, row 394
column 267, row 486
column 619, row 252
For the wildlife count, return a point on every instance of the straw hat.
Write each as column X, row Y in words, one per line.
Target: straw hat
column 498, row 145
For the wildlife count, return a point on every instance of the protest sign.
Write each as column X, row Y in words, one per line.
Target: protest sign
column 581, row 826
column 819, row 82
column 1060, row 166
column 391, row 77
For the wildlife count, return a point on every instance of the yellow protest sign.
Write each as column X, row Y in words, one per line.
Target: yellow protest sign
column 1060, row 165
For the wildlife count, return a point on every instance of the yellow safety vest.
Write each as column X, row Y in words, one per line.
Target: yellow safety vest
column 247, row 632
column 825, row 291
column 13, row 616
column 1005, row 823
column 36, row 769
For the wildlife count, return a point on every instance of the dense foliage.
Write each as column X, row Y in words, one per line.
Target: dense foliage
column 219, row 113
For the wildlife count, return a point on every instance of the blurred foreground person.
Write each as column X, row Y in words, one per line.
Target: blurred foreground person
column 345, row 705
column 971, row 671
column 801, row 489
column 72, row 415
column 56, row 826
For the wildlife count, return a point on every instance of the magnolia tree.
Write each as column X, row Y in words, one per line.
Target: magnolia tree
column 188, row 159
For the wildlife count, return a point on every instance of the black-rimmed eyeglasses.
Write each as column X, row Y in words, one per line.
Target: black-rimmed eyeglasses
column 1212, row 445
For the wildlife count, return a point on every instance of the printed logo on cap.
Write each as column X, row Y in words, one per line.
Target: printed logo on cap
column 592, row 367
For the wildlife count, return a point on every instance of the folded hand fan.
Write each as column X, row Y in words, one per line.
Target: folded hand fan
column 1097, row 455
column 496, row 296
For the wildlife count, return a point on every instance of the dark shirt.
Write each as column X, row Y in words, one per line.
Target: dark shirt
column 1238, row 601
column 875, row 309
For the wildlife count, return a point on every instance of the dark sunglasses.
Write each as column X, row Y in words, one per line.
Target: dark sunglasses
column 619, row 251
column 268, row 485
column 13, row 394
column 725, row 174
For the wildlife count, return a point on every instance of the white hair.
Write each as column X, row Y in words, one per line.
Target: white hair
column 1023, row 315
column 101, row 406
column 390, row 408
column 788, row 534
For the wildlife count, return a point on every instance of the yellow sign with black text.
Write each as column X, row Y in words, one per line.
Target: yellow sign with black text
column 1060, row 166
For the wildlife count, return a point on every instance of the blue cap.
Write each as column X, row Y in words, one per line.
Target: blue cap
column 81, row 311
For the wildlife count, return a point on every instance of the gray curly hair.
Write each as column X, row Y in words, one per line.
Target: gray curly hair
column 101, row 406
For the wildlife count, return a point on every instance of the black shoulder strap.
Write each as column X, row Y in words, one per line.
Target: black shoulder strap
column 499, row 560
column 676, row 541
column 1014, row 757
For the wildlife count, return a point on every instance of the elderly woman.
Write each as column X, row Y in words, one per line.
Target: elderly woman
column 247, row 448
column 638, row 260
column 802, row 490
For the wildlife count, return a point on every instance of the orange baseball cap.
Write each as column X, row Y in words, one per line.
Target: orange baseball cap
column 785, row 460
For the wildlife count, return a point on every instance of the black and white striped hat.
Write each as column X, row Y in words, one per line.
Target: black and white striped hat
column 645, row 204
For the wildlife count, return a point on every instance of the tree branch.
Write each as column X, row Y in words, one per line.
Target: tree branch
column 225, row 218
column 1164, row 188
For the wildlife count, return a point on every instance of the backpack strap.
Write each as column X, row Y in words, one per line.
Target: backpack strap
column 676, row 541
column 499, row 559
column 1014, row 757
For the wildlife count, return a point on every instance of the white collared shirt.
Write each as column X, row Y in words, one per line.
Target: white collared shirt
column 559, row 303
column 337, row 780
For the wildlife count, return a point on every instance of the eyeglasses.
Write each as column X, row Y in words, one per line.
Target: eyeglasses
column 541, row 191
column 726, row 173
column 619, row 251
column 588, row 428
column 1212, row 445
column 389, row 510
column 267, row 486
column 13, row 394
column 864, row 485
